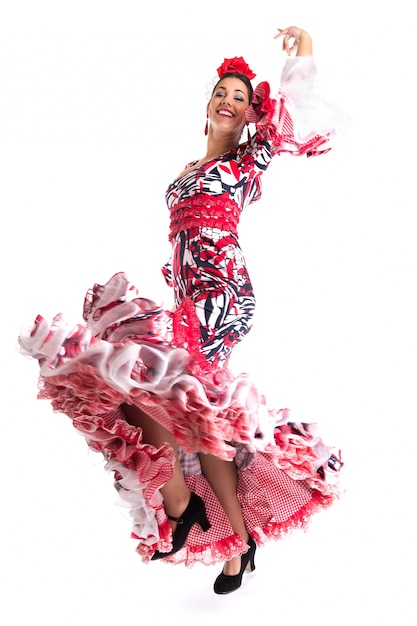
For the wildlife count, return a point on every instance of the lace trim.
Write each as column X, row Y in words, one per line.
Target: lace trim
column 204, row 210
column 186, row 329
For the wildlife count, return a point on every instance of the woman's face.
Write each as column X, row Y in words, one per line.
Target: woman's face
column 226, row 109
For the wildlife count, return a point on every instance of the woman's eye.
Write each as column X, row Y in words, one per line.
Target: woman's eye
column 222, row 94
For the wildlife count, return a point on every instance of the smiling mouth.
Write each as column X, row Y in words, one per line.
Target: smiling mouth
column 225, row 113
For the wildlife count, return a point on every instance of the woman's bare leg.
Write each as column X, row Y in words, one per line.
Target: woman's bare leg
column 222, row 478
column 175, row 492
column 220, row 474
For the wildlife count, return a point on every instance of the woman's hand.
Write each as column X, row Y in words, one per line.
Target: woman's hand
column 295, row 40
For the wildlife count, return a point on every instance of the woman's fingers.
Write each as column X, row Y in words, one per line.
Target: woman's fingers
column 290, row 38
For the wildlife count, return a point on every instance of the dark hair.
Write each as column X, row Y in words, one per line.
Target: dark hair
column 241, row 77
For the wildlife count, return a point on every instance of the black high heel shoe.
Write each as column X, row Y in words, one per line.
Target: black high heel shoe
column 227, row 584
column 195, row 513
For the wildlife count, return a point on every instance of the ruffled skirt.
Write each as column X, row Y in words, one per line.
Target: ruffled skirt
column 125, row 353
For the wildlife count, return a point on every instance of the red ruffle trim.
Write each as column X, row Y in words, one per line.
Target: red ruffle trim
column 293, row 474
column 211, row 552
column 275, row 125
column 204, row 210
column 200, row 410
column 262, row 109
column 187, row 334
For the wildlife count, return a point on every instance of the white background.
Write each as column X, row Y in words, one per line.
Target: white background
column 102, row 104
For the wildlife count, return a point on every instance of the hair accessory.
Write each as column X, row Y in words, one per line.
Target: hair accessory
column 237, row 65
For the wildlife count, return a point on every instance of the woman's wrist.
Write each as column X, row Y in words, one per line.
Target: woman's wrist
column 305, row 44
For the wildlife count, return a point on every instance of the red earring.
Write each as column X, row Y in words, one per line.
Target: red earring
column 206, row 128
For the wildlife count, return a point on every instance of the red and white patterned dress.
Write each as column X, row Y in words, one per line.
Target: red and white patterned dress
column 174, row 365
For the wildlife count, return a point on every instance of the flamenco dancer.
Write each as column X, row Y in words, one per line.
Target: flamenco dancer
column 208, row 470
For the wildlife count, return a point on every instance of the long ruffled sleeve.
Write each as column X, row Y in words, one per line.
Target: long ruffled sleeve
column 298, row 120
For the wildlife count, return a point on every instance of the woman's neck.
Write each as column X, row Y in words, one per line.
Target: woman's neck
column 220, row 145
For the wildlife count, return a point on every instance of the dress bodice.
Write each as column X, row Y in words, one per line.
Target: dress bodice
column 215, row 193
column 296, row 121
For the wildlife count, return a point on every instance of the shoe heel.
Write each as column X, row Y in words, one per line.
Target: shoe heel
column 251, row 553
column 205, row 524
column 251, row 564
column 203, row 520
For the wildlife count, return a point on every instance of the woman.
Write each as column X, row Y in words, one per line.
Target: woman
column 209, row 471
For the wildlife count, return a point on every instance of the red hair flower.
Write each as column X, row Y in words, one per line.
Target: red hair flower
column 237, row 65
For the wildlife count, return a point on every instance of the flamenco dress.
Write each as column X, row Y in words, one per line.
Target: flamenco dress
column 173, row 364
